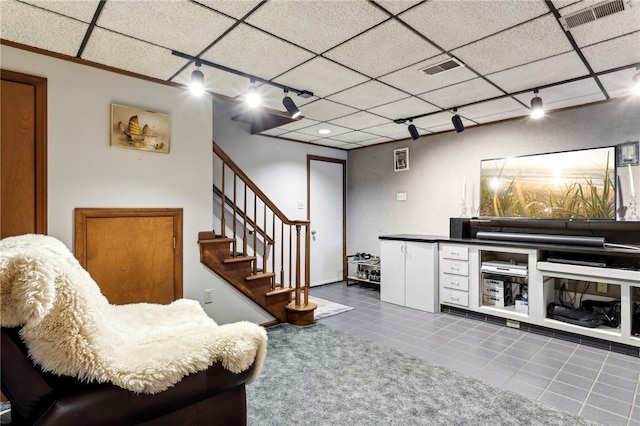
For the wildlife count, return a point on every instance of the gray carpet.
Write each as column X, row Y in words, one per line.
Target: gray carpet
column 318, row 376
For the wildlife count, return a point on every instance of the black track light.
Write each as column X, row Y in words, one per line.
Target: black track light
column 291, row 107
column 457, row 122
column 413, row 131
column 197, row 81
column 536, row 106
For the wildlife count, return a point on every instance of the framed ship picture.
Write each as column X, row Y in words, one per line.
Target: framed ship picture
column 136, row 128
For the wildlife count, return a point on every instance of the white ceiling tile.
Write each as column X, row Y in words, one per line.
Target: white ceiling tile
column 321, row 76
column 359, row 120
column 397, row 6
column 499, row 109
column 299, row 136
column 614, row 53
column 545, row 71
column 22, row 23
column 378, row 140
column 129, row 54
column 261, row 55
column 276, row 131
column 412, row 80
column 565, row 95
column 356, row 53
column 316, row 25
column 537, row 39
column 300, row 124
column 462, row 93
column 353, row 137
column 618, row 83
column 451, row 24
column 236, row 9
column 193, row 27
column 391, row 130
column 404, row 108
column 368, row 95
column 604, row 28
column 82, row 10
column 335, row 130
column 435, row 120
column 324, row 110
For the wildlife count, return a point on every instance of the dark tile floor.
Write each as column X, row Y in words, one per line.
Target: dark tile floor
column 596, row 384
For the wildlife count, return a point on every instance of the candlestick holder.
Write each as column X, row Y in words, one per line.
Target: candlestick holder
column 633, row 207
column 463, row 212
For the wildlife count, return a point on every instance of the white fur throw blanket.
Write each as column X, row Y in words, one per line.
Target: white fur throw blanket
column 71, row 329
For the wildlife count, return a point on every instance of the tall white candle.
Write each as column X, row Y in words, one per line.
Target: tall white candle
column 464, row 187
column 633, row 190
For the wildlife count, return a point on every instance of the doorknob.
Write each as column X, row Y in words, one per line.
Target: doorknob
column 313, row 232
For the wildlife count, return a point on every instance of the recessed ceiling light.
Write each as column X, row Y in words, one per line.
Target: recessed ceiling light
column 324, row 131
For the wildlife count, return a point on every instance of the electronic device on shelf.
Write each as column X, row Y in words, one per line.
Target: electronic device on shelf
column 502, row 267
column 580, row 262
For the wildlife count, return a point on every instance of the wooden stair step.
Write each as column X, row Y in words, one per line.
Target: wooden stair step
column 239, row 259
column 280, row 290
column 260, row 276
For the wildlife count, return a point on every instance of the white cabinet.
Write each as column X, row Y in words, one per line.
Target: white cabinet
column 454, row 274
column 408, row 277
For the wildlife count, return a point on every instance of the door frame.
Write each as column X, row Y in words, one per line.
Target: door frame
column 344, row 202
column 40, row 139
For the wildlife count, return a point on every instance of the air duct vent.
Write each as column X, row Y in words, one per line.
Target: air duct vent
column 447, row 65
column 592, row 13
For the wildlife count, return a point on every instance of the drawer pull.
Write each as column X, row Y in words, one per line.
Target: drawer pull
column 457, row 299
column 455, row 283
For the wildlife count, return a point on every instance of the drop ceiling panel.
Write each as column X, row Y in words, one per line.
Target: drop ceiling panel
column 404, row 108
column 359, row 120
column 391, row 130
column 82, row 10
column 236, row 9
column 397, row 6
column 570, row 94
column 300, row 124
column 605, row 28
column 297, row 136
column 322, row 77
column 316, row 25
column 129, row 54
column 356, row 53
column 324, row 110
column 534, row 40
column 498, row 109
column 193, row 27
column 412, row 80
column 459, row 94
column 368, row 95
column 614, row 53
column 335, row 130
column 261, row 54
column 443, row 118
column 452, row 27
column 545, row 71
column 354, row 137
column 22, row 23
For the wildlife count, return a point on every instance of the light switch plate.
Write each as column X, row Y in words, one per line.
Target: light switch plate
column 401, row 196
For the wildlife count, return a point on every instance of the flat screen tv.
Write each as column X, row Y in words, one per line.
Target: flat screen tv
column 571, row 184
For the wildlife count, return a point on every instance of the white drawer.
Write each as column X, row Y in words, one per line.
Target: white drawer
column 454, row 267
column 455, row 252
column 454, row 297
column 456, row 282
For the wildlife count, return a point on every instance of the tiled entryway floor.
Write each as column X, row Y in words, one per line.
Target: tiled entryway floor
column 596, row 384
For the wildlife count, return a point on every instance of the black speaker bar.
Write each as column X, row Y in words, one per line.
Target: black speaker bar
column 571, row 240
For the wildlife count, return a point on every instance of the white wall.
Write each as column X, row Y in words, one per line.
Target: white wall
column 84, row 171
column 438, row 164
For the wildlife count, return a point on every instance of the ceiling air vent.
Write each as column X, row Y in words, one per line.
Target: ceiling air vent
column 592, row 13
column 447, row 65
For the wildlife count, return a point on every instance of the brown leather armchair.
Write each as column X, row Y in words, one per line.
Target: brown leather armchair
column 215, row 396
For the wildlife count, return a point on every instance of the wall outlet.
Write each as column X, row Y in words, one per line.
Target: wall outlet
column 208, row 296
column 513, row 323
column 602, row 287
column 401, row 196
column 300, row 205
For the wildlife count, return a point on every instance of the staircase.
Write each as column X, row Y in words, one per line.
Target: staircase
column 255, row 250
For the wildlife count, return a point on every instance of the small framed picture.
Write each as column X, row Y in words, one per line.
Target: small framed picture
column 628, row 154
column 401, row 159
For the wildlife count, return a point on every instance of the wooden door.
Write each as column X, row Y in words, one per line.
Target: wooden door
column 23, row 154
column 135, row 255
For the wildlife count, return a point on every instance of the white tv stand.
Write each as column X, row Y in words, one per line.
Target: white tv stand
column 461, row 286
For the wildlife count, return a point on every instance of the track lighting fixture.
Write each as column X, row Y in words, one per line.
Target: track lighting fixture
column 457, row 121
column 636, row 81
column 291, row 107
column 413, row 131
column 197, row 81
column 536, row 106
column 252, row 98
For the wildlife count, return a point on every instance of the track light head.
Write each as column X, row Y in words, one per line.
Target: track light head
column 537, row 110
column 413, row 132
column 291, row 107
column 252, row 98
column 457, row 122
column 197, row 82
